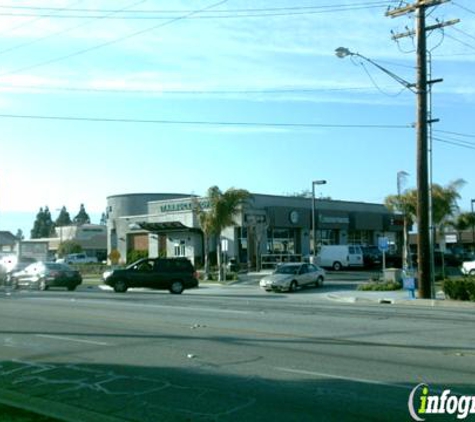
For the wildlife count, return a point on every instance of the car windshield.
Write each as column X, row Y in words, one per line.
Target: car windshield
column 287, row 269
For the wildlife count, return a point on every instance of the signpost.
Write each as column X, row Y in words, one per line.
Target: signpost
column 383, row 246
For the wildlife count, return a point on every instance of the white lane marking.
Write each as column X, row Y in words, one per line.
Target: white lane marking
column 77, row 340
column 340, row 377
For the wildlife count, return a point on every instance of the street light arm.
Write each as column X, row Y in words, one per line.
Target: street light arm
column 343, row 52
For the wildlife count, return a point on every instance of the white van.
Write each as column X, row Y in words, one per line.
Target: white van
column 340, row 256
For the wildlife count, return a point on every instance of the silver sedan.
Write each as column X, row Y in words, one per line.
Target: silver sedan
column 288, row 277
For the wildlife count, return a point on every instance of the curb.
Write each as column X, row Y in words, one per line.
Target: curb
column 441, row 303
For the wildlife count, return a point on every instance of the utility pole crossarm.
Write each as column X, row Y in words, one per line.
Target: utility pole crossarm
column 428, row 28
column 413, row 7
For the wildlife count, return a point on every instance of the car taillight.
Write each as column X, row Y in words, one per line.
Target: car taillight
column 195, row 275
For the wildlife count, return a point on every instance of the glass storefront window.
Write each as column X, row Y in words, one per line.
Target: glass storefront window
column 281, row 241
column 327, row 237
column 360, row 237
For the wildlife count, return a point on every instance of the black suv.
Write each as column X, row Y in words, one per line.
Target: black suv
column 173, row 274
column 372, row 256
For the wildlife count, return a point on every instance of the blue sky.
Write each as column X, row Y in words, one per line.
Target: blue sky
column 246, row 94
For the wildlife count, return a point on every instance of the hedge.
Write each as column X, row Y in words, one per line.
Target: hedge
column 460, row 288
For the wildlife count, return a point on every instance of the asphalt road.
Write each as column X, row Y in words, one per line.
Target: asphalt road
column 230, row 353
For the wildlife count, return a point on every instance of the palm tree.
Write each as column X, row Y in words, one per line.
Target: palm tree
column 444, row 203
column 462, row 222
column 223, row 207
column 406, row 204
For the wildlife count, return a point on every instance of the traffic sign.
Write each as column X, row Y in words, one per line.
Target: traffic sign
column 383, row 244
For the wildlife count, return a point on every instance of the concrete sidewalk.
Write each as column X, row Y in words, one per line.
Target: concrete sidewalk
column 399, row 297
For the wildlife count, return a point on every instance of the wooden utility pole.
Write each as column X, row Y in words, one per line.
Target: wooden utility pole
column 425, row 268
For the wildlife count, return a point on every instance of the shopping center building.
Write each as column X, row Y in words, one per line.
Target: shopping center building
column 267, row 227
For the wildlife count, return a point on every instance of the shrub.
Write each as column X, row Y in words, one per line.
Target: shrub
column 460, row 289
column 134, row 255
column 380, row 286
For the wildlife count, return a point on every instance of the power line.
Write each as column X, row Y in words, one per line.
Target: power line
column 465, row 135
column 149, row 91
column 203, row 123
column 114, row 41
column 459, row 41
column 37, row 18
column 36, row 40
column 463, row 7
column 206, row 14
column 461, row 144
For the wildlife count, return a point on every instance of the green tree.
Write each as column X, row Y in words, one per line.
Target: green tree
column 82, row 217
column 43, row 225
column 68, row 247
column 223, row 207
column 462, row 222
column 63, row 218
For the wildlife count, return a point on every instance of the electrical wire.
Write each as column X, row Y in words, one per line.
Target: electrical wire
column 42, row 87
column 203, row 123
column 461, row 144
column 114, row 41
column 464, row 135
column 230, row 13
column 37, row 18
column 463, row 7
column 64, row 31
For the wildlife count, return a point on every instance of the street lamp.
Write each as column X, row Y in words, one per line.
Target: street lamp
column 342, row 52
column 424, row 244
column 314, row 182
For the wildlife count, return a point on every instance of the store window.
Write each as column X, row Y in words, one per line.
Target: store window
column 327, row 237
column 360, row 237
column 281, row 241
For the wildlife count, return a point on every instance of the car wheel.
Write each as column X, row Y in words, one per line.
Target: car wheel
column 72, row 287
column 42, row 285
column 471, row 272
column 120, row 286
column 337, row 266
column 176, row 287
column 293, row 286
column 319, row 282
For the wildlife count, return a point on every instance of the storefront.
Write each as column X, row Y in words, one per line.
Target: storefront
column 267, row 228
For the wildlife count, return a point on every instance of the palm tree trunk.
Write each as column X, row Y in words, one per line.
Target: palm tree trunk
column 219, row 253
column 206, row 255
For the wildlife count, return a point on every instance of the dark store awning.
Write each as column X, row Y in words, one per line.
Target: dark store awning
column 166, row 227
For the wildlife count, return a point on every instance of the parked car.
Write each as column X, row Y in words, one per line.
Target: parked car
column 44, row 275
column 288, row 277
column 468, row 267
column 173, row 274
column 372, row 256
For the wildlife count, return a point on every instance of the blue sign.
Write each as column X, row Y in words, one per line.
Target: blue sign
column 383, row 244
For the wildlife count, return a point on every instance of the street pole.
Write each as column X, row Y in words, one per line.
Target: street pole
column 425, row 270
column 423, row 238
column 314, row 243
column 473, row 228
column 405, row 262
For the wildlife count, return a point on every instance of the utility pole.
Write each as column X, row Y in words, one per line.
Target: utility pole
column 423, row 202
